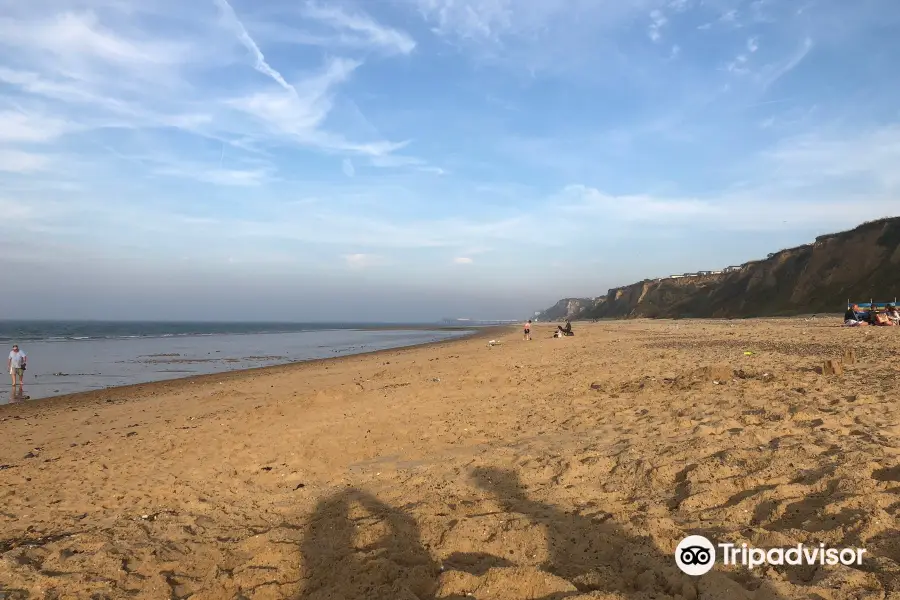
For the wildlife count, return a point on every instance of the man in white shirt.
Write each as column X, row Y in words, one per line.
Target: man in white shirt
column 16, row 365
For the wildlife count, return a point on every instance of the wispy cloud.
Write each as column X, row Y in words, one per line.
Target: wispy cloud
column 330, row 26
column 864, row 160
column 469, row 20
column 71, row 36
column 261, row 65
column 216, row 176
column 806, row 181
column 348, row 168
column 17, row 161
column 79, row 71
column 297, row 113
column 524, row 28
column 399, row 160
column 362, row 29
column 362, row 261
column 657, row 21
column 16, row 126
column 775, row 72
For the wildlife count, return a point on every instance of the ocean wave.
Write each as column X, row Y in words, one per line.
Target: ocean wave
column 75, row 331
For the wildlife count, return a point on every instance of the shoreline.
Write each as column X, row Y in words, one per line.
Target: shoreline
column 137, row 391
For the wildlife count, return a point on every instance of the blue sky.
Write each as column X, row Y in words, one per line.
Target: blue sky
column 413, row 159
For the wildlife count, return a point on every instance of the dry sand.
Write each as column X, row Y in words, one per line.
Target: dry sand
column 460, row 470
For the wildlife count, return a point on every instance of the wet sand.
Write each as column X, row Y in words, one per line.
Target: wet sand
column 556, row 468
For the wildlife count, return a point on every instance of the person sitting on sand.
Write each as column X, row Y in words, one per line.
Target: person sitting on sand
column 877, row 318
column 567, row 330
column 893, row 314
column 855, row 317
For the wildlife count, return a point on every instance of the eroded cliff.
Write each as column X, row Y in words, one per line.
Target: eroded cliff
column 859, row 264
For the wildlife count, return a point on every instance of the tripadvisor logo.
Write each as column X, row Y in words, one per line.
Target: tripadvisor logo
column 696, row 555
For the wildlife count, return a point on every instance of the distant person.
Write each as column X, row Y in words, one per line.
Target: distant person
column 528, row 330
column 855, row 318
column 16, row 365
column 567, row 330
column 877, row 318
column 893, row 314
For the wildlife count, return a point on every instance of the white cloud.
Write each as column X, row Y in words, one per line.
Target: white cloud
column 462, row 260
column 98, row 100
column 70, row 36
column 775, row 72
column 657, row 21
column 757, row 209
column 388, row 161
column 470, row 20
column 261, row 65
column 738, row 65
column 348, row 168
column 16, row 161
column 327, row 25
column 396, row 160
column 433, row 170
column 367, row 30
column 866, row 157
column 17, row 126
column 293, row 112
column 18, row 212
column 489, row 24
column 765, row 76
column 96, row 65
column 809, row 181
column 218, row 176
column 362, row 261
column 582, row 199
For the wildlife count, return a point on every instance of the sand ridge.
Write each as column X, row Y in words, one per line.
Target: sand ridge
column 556, row 468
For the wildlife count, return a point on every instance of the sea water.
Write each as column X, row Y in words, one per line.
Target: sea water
column 68, row 357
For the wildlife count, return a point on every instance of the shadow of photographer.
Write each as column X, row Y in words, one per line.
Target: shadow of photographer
column 357, row 547
column 595, row 554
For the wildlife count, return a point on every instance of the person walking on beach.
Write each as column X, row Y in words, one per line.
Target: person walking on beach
column 16, row 365
column 528, row 330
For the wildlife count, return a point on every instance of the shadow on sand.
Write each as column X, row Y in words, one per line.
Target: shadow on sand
column 357, row 547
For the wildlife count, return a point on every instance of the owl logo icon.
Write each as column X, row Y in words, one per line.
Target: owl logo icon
column 695, row 555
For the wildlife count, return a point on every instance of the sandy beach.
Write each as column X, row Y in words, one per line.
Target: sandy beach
column 549, row 469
